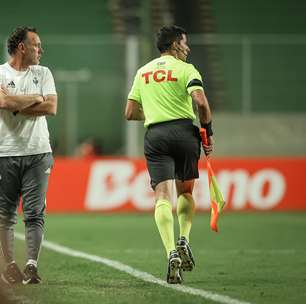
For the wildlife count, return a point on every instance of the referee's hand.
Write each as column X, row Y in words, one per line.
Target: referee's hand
column 208, row 148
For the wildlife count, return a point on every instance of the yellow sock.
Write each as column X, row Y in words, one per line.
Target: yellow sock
column 164, row 222
column 185, row 208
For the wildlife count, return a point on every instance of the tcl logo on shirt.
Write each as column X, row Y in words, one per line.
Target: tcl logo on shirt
column 158, row 76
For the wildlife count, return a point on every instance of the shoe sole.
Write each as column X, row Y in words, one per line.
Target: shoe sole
column 186, row 257
column 174, row 276
column 31, row 281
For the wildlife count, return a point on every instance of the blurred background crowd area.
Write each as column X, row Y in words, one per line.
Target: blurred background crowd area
column 251, row 55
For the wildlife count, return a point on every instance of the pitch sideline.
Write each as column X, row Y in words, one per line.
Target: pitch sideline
column 144, row 276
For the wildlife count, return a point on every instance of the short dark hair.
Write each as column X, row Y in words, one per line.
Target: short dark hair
column 167, row 35
column 17, row 36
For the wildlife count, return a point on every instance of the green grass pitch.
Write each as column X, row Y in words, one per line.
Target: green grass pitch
column 255, row 258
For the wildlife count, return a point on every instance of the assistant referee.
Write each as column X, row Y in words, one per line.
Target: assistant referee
column 162, row 95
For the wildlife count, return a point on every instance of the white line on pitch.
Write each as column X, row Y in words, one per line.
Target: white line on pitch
column 144, row 276
column 206, row 251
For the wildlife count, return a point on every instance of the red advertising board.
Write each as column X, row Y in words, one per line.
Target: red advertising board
column 121, row 184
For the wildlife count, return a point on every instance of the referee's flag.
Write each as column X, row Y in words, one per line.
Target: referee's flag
column 216, row 198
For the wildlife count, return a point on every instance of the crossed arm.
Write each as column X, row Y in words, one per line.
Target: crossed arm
column 47, row 107
column 33, row 105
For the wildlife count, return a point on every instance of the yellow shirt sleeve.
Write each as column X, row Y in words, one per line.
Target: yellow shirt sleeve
column 191, row 74
column 135, row 90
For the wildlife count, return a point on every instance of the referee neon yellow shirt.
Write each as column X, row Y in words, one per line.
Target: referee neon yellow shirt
column 160, row 87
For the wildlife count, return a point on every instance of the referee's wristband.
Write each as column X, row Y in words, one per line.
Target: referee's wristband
column 208, row 128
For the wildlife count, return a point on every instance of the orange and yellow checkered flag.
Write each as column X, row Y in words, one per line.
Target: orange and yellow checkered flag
column 216, row 198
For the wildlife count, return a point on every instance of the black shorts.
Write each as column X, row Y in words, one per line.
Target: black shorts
column 172, row 150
